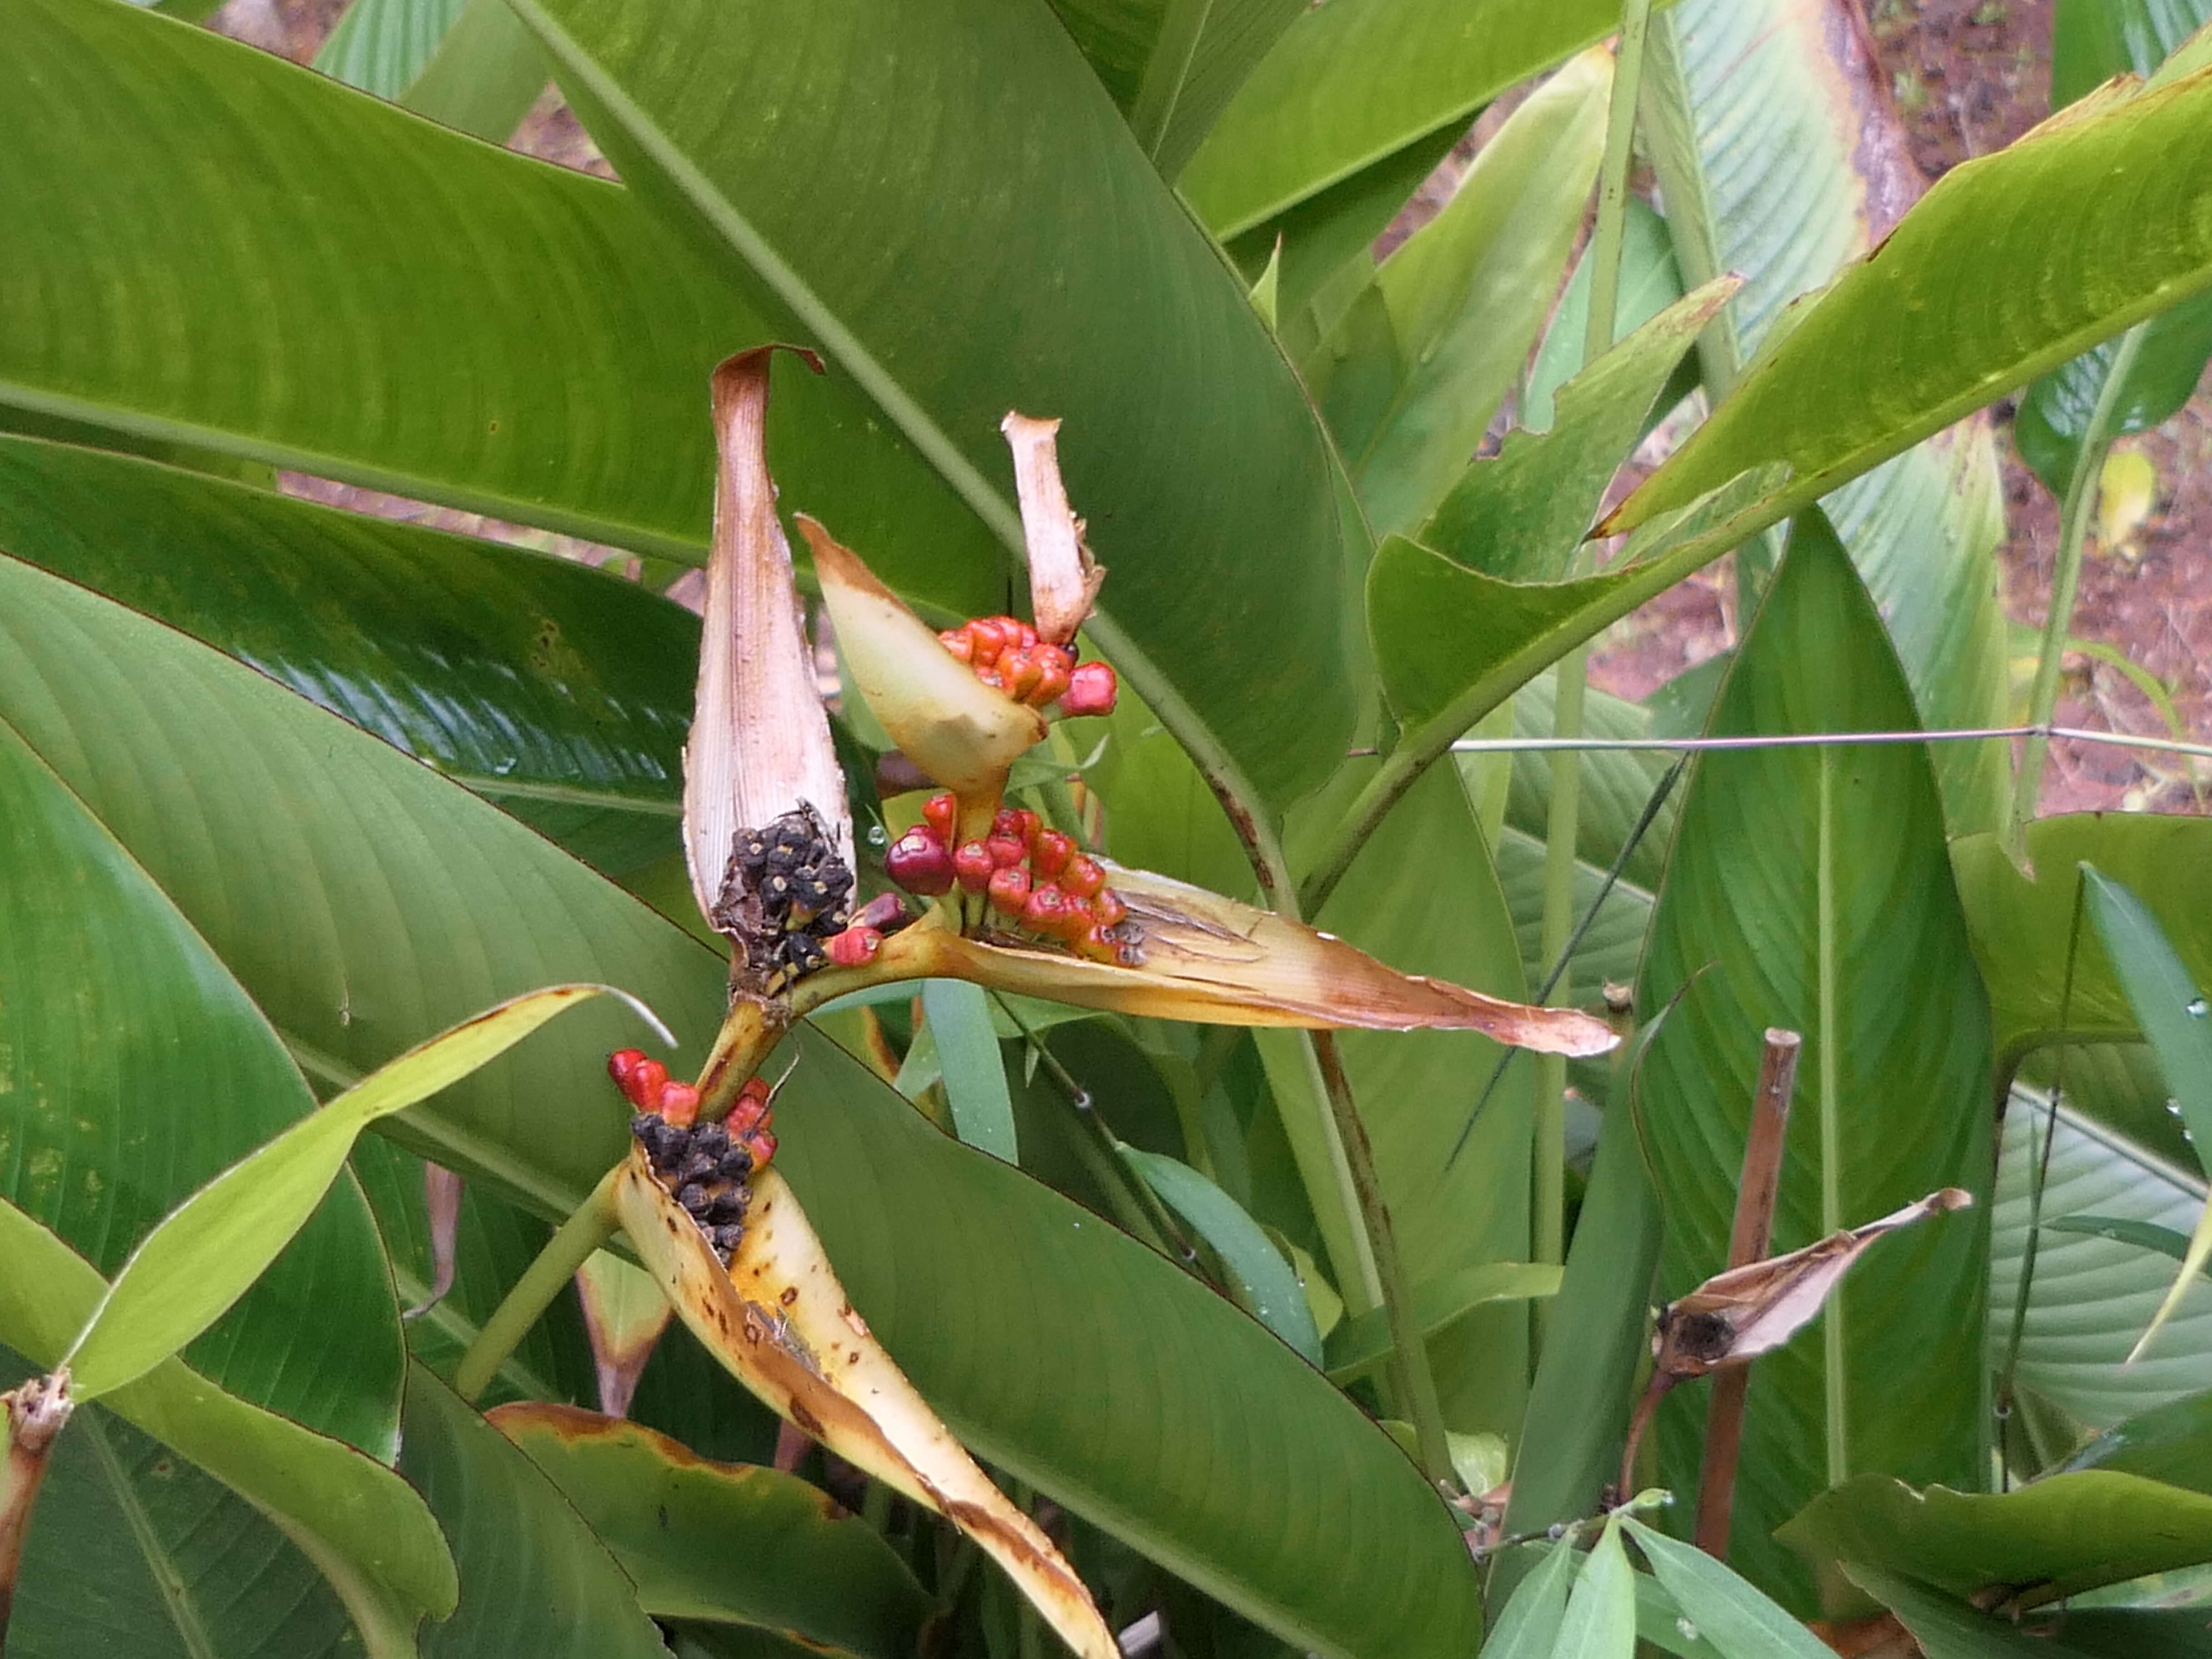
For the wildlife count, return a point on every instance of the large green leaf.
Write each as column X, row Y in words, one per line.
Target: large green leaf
column 2021, row 924
column 2053, row 1538
column 1024, row 255
column 394, row 304
column 134, row 1069
column 557, row 691
column 164, row 1563
column 1416, row 1090
column 1779, row 160
column 2096, row 222
column 2092, row 40
column 991, row 1292
column 368, row 1531
column 723, row 1541
column 471, row 64
column 2093, row 1296
column 1355, row 81
column 1801, row 879
column 2171, row 1442
column 1412, row 372
column 535, row 1579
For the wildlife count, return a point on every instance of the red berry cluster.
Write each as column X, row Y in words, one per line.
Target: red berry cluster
column 650, row 1089
column 1033, row 877
column 1007, row 656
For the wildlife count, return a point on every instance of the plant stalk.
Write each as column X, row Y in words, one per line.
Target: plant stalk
column 2074, row 529
column 1831, row 1127
column 1415, row 1381
column 1748, row 1242
column 592, row 1224
column 37, row 1411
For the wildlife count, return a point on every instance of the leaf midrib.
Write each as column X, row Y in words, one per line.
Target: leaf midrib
column 161, row 1566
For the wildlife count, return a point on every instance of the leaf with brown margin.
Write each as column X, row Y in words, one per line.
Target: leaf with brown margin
column 1064, row 579
column 624, row 1314
column 781, row 1323
column 760, row 743
column 957, row 729
column 1213, row 960
column 730, row 1542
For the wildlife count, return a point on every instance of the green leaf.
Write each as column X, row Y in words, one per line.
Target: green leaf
column 133, row 1543
column 1068, row 262
column 1728, row 1611
column 1948, row 1629
column 2092, row 1297
column 207, row 1251
column 1415, row 1089
column 514, row 1538
column 1362, row 1342
column 1600, row 1620
column 1267, row 1278
column 990, row 1291
column 2093, row 40
column 1529, row 1627
column 1522, row 514
column 1411, row 375
column 723, row 1541
column 468, row 64
column 2169, row 1242
column 359, row 1524
column 975, row 1073
column 2021, row 924
column 133, row 1067
column 2171, row 1442
column 2098, row 220
column 299, row 324
column 2054, row 412
column 2053, row 1538
column 1800, row 880
column 2176, row 1021
column 1650, row 282
column 557, row 691
column 1774, row 163
column 1355, row 81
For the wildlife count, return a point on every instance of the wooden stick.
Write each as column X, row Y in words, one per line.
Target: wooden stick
column 1748, row 1242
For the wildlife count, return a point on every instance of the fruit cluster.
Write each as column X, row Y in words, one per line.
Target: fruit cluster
column 707, row 1166
column 1031, row 876
column 784, row 896
column 1007, row 656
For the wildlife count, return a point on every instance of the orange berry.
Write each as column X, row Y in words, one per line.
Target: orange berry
column 1005, row 851
column 1083, row 876
column 992, row 677
column 622, row 1062
column 1021, row 672
column 959, row 642
column 1050, row 688
column 1046, row 912
column 1097, row 946
column 855, row 946
column 989, row 640
column 644, row 1084
column 938, row 812
column 1050, row 852
column 679, row 1104
column 1106, row 909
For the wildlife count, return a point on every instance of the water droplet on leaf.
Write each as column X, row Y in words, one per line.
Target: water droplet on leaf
column 2198, row 1006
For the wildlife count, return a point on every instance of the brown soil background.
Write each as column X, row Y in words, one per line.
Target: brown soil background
column 1966, row 77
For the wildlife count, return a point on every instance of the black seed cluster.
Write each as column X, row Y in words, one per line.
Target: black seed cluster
column 706, row 1171
column 786, row 890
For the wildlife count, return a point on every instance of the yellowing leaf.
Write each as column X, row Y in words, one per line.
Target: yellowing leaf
column 781, row 1322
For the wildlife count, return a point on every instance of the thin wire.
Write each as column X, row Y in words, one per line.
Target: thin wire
column 1814, row 740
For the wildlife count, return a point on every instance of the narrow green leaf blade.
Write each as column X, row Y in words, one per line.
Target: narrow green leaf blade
column 2167, row 1242
column 1601, row 1619
column 1529, row 1627
column 1946, row 1628
column 2177, row 1022
column 210, row 1248
column 1277, row 1300
column 723, row 1541
column 1728, row 1611
column 1358, row 1344
column 2099, row 221
column 975, row 1073
column 1799, row 878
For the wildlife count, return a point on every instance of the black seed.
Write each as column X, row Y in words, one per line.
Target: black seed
column 736, row 1164
column 726, row 1240
column 729, row 1204
column 696, row 1166
column 711, row 1139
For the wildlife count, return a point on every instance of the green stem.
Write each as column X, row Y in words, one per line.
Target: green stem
column 1561, row 831
column 2074, row 530
column 1831, row 1118
column 1605, row 237
column 1416, row 1382
column 592, row 1225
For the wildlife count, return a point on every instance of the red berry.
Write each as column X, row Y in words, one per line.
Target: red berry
column 1055, row 656
column 1021, row 672
column 1106, row 909
column 1091, row 690
column 959, row 642
column 1008, row 821
column 1083, row 876
column 886, row 913
column 990, row 639
column 938, row 812
column 972, row 866
column 620, row 1062
column 1010, row 889
column 644, row 1084
column 1047, row 909
column 1050, row 852
column 679, row 1104
column 1007, row 851
column 761, row 1143
column 749, row 1111
column 855, row 946
column 1051, row 687
column 991, row 677
column 1024, row 636
column 1030, row 826
column 917, row 862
